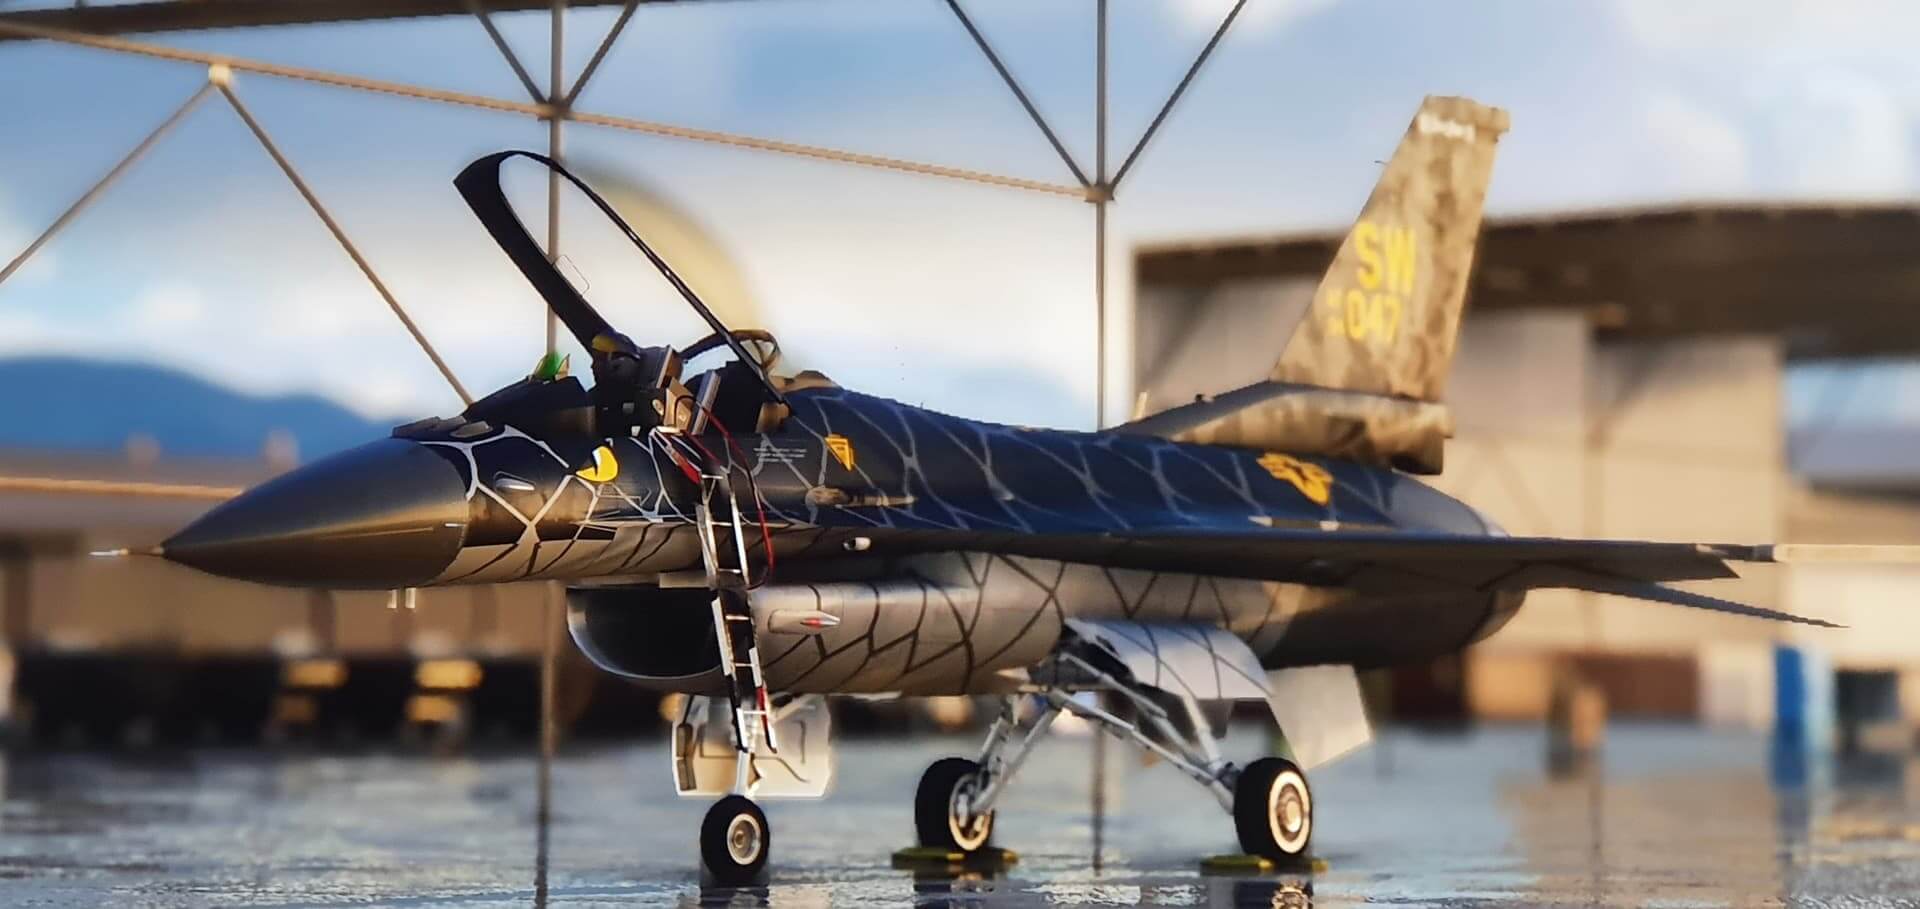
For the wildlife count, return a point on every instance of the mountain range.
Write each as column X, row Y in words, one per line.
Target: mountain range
column 78, row 404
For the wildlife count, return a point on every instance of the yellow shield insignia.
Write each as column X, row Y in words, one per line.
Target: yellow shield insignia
column 1312, row 480
column 841, row 448
column 604, row 468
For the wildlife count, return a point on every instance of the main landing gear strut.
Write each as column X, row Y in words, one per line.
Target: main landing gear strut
column 1269, row 800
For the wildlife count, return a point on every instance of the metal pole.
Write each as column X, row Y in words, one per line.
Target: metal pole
column 549, row 727
column 1100, row 216
column 1099, row 795
column 1099, row 193
column 16, row 595
column 557, row 75
column 986, row 49
column 1178, row 90
column 221, row 78
column 599, row 53
column 1100, row 313
column 86, row 199
column 506, row 50
column 796, row 149
column 117, row 488
column 550, row 625
column 542, row 111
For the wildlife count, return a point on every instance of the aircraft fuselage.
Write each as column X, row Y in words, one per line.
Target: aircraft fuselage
column 901, row 502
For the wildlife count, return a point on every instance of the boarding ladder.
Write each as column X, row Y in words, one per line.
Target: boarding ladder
column 723, row 547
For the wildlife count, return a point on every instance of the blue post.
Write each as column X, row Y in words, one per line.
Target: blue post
column 1803, row 711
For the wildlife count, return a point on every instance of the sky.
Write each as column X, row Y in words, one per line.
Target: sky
column 971, row 299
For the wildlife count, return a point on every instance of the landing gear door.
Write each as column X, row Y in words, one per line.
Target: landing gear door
column 1203, row 662
column 705, row 760
column 1319, row 711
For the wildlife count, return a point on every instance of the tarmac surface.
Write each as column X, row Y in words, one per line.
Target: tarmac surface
column 1668, row 816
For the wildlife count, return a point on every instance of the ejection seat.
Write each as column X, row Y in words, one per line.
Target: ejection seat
column 638, row 388
column 732, row 394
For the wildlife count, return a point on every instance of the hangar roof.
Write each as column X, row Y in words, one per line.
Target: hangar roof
column 1833, row 280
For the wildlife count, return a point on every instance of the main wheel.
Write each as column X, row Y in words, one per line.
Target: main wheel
column 734, row 841
column 1273, row 810
column 946, row 791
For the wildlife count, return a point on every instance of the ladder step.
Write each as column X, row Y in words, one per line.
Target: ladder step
column 725, row 555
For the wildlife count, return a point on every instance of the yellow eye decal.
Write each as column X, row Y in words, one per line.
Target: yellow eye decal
column 604, row 468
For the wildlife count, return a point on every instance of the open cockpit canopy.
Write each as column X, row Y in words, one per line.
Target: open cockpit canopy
column 635, row 388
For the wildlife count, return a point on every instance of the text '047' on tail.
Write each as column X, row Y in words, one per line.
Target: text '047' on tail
column 758, row 540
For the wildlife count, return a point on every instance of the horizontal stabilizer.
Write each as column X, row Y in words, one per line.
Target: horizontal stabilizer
column 1641, row 590
column 1367, row 428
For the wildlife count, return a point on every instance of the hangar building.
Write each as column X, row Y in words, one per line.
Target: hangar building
column 1621, row 374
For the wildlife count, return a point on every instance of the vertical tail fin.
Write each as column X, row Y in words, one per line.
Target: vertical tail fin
column 1385, row 315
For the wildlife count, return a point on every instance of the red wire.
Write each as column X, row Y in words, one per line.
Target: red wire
column 759, row 505
column 680, row 461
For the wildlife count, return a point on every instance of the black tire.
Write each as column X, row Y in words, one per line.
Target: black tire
column 735, row 841
column 933, row 818
column 1273, row 810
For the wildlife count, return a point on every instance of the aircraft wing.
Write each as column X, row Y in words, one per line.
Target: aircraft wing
column 1386, row 562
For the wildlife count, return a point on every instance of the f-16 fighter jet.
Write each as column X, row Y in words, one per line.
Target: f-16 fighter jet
column 760, row 541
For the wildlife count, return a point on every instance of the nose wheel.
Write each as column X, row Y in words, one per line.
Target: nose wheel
column 734, row 841
column 1273, row 810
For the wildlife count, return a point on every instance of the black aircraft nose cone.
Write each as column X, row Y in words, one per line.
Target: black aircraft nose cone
column 385, row 515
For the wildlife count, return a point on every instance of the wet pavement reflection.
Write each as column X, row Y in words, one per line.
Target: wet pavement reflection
column 1668, row 816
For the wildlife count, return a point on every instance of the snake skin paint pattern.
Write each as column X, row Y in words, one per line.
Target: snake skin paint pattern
column 925, row 614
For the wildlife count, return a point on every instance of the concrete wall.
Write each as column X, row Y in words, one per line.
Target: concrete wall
column 1518, row 393
column 1191, row 341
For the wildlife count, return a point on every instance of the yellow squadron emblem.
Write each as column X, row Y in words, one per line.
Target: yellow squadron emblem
column 841, row 448
column 1312, row 480
column 604, row 468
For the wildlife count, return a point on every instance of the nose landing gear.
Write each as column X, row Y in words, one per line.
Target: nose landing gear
column 735, row 841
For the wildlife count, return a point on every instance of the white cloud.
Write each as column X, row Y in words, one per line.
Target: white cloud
column 325, row 312
column 168, row 309
column 1839, row 133
column 1769, row 25
column 1828, row 89
column 1696, row 150
column 1256, row 16
column 382, row 392
column 27, row 332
